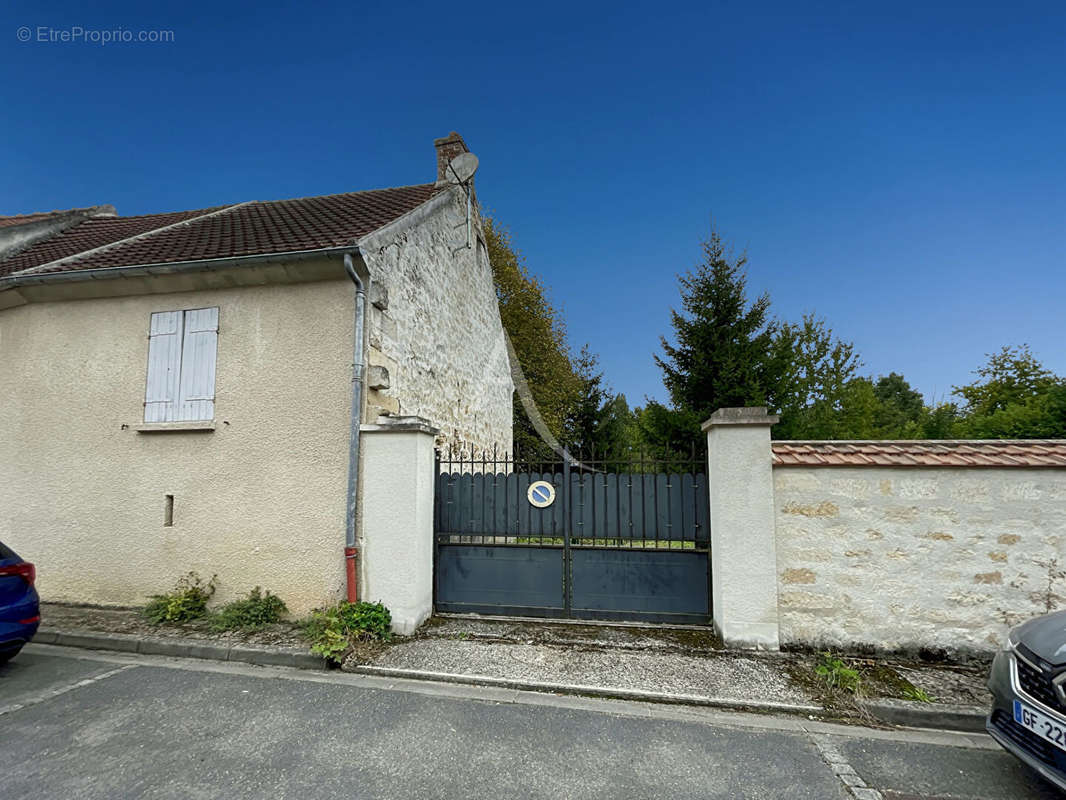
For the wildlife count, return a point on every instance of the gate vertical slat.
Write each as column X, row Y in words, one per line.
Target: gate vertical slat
column 592, row 491
column 638, row 530
column 609, row 480
column 688, row 508
column 630, row 514
column 567, row 565
column 675, row 526
column 499, row 499
column 473, row 495
column 520, row 509
column 437, row 494
column 527, row 511
column 577, row 507
column 662, row 509
column 483, row 527
column 703, row 511
column 508, row 470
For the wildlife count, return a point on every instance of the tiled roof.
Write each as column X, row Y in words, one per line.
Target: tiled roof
column 90, row 234
column 21, row 219
column 922, row 453
column 244, row 229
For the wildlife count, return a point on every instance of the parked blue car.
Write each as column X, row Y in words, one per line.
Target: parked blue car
column 20, row 607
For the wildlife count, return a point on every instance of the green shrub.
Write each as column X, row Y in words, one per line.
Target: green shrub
column 837, row 674
column 250, row 613
column 333, row 630
column 187, row 601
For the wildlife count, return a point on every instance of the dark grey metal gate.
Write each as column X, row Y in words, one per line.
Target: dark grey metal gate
column 623, row 540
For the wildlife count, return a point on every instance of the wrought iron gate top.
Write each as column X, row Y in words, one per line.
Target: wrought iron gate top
column 633, row 502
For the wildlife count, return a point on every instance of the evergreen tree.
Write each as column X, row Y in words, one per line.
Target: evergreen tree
column 586, row 413
column 723, row 353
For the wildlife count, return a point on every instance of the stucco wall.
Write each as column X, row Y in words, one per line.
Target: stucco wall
column 259, row 501
column 440, row 335
column 906, row 558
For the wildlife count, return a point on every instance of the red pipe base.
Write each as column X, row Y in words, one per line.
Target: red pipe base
column 350, row 556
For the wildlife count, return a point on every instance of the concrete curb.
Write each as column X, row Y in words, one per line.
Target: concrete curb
column 892, row 712
column 970, row 719
column 181, row 648
column 590, row 691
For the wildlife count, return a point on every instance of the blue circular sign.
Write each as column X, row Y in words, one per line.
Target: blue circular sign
column 541, row 494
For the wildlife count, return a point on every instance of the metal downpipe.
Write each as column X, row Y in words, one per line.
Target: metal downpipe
column 351, row 551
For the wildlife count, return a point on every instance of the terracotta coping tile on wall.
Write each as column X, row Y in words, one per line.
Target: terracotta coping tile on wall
column 922, row 453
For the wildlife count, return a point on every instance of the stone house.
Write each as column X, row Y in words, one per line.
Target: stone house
column 177, row 388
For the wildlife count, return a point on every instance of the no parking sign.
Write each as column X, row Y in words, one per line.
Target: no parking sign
column 541, row 494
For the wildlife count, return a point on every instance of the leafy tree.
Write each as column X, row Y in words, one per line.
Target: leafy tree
column 1016, row 397
column 668, row 431
column 618, row 432
column 1039, row 417
column 939, row 421
column 901, row 407
column 817, row 390
column 538, row 333
column 601, row 425
column 1011, row 376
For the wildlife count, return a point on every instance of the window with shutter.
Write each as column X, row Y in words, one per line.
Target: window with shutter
column 182, row 347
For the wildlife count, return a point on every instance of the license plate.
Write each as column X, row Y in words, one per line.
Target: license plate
column 1041, row 724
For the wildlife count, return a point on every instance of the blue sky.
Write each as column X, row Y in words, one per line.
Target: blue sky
column 897, row 169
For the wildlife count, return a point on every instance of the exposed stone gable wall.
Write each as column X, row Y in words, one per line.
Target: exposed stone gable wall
column 434, row 325
column 910, row 558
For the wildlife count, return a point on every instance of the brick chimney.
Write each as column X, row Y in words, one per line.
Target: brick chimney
column 447, row 149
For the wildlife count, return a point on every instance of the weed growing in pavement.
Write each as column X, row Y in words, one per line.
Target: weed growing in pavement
column 250, row 613
column 187, row 601
column 334, row 630
column 837, row 674
column 912, row 692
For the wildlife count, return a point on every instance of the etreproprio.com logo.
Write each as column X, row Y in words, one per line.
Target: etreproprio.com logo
column 77, row 34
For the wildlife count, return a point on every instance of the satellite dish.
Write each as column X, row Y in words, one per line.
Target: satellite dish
column 463, row 167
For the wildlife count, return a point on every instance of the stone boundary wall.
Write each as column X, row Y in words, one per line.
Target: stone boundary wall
column 911, row 558
column 904, row 546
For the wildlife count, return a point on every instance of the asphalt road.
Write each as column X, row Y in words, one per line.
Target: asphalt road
column 76, row 724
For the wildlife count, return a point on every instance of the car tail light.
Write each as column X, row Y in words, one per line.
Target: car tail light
column 25, row 570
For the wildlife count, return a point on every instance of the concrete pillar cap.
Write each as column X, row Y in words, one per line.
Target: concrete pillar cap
column 400, row 425
column 751, row 415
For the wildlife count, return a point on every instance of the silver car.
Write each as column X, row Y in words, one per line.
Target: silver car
column 1028, row 684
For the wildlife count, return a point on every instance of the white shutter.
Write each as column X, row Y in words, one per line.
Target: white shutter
column 196, row 393
column 164, row 367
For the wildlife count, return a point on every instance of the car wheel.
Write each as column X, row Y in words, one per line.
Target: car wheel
column 7, row 655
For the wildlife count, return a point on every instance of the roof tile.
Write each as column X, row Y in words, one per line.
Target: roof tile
column 255, row 228
column 918, row 453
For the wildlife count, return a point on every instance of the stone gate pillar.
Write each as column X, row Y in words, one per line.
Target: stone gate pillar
column 743, row 553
